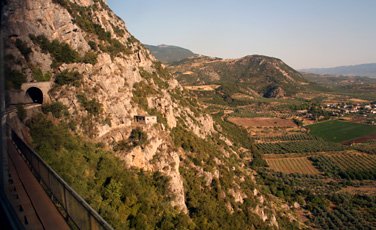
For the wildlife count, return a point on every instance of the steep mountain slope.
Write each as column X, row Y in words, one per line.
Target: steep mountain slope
column 363, row 70
column 101, row 78
column 170, row 54
column 253, row 75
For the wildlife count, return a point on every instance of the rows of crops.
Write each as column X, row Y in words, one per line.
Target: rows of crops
column 369, row 148
column 292, row 165
column 291, row 137
column 347, row 166
column 298, row 147
column 341, row 218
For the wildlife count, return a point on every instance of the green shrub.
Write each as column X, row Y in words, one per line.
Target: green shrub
column 141, row 91
column 39, row 76
column 21, row 112
column 57, row 109
column 90, row 58
column 137, row 138
column 118, row 31
column 200, row 150
column 93, row 107
column 61, row 52
column 93, row 45
column 82, row 16
column 114, row 48
column 23, row 48
column 14, row 79
column 161, row 83
column 298, row 122
column 67, row 77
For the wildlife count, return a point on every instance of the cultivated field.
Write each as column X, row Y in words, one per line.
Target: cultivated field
column 262, row 122
column 347, row 165
column 292, row 165
column 340, row 131
column 285, row 138
column 303, row 146
column 363, row 139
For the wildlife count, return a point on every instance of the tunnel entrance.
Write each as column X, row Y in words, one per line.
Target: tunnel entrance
column 35, row 94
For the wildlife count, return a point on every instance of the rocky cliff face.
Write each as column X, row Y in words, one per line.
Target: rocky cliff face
column 103, row 76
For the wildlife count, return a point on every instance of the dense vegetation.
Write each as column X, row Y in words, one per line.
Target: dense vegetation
column 14, row 78
column 330, row 209
column 209, row 211
column 127, row 199
column 137, row 138
column 350, row 212
column 57, row 109
column 132, row 199
column 208, row 204
column 339, row 131
column 67, row 77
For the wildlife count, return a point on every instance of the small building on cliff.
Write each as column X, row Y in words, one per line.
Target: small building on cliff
column 145, row 119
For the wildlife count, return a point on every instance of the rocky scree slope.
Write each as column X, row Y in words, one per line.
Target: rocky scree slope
column 102, row 76
column 254, row 75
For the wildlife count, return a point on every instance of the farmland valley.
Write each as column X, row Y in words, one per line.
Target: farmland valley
column 117, row 134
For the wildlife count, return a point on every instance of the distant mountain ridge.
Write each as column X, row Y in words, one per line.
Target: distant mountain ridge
column 252, row 75
column 170, row 54
column 363, row 70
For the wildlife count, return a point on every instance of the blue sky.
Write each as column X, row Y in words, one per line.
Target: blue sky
column 303, row 33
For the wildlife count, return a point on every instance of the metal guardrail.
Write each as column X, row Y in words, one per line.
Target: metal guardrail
column 76, row 209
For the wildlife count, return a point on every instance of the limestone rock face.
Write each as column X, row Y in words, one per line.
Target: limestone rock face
column 124, row 80
column 109, row 81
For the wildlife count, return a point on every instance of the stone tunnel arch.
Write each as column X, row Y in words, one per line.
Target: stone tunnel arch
column 35, row 94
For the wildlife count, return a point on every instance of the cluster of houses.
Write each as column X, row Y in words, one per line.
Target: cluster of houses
column 367, row 110
column 341, row 109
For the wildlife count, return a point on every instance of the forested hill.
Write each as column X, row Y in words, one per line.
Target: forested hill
column 170, row 54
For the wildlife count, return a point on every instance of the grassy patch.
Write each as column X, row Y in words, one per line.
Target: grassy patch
column 39, row 76
column 339, row 131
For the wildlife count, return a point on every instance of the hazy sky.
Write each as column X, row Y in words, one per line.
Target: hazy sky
column 303, row 33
